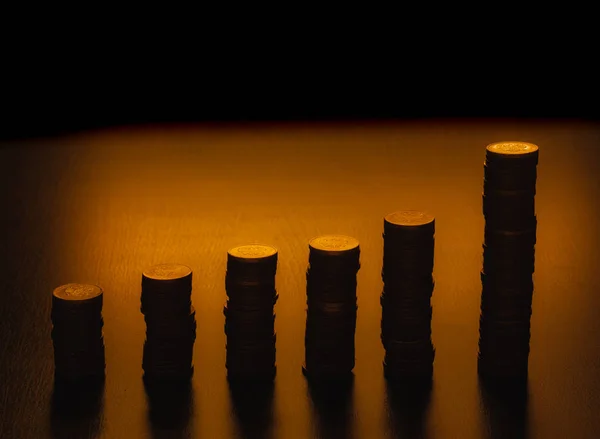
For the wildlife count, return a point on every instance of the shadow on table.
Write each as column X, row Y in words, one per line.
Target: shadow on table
column 252, row 404
column 77, row 409
column 504, row 404
column 333, row 407
column 170, row 408
column 407, row 405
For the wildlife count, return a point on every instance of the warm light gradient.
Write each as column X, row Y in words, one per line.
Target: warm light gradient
column 101, row 207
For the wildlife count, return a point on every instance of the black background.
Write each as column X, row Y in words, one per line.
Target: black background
column 50, row 97
column 75, row 73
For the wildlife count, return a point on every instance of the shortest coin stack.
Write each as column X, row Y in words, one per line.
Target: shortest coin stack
column 408, row 251
column 170, row 322
column 249, row 316
column 77, row 332
column 334, row 261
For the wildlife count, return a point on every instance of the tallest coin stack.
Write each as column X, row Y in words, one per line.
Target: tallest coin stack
column 510, row 172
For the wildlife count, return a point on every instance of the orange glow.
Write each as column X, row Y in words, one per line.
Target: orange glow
column 127, row 199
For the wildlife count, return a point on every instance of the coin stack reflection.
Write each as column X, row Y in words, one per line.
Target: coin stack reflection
column 77, row 332
column 170, row 322
column 510, row 172
column 334, row 262
column 408, row 251
column 249, row 316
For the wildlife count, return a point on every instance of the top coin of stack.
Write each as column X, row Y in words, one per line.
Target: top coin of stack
column 249, row 316
column 253, row 263
column 170, row 322
column 334, row 261
column 166, row 285
column 77, row 331
column 510, row 173
column 509, row 185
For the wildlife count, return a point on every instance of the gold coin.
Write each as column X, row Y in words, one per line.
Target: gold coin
column 252, row 251
column 512, row 148
column 334, row 243
column 77, row 292
column 167, row 272
column 409, row 218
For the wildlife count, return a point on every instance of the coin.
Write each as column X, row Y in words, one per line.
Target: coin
column 407, row 273
column 170, row 321
column 249, row 312
column 332, row 244
column 76, row 291
column 76, row 334
column 409, row 218
column 252, row 252
column 167, row 272
column 334, row 261
column 512, row 148
column 508, row 258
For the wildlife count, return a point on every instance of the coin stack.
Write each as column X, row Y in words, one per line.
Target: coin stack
column 170, row 322
column 408, row 249
column 510, row 171
column 334, row 262
column 77, row 332
column 249, row 316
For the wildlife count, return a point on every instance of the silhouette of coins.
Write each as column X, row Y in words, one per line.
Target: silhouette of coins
column 170, row 323
column 509, row 188
column 249, row 312
column 406, row 312
column 333, row 263
column 77, row 332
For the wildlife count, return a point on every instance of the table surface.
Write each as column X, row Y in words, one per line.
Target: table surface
column 100, row 207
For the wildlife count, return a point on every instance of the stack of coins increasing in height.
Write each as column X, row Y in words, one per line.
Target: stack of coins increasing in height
column 170, row 322
column 408, row 250
column 334, row 262
column 510, row 173
column 77, row 332
column 249, row 316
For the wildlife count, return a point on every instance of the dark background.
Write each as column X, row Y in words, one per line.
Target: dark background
column 64, row 75
column 58, row 94
column 41, row 115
